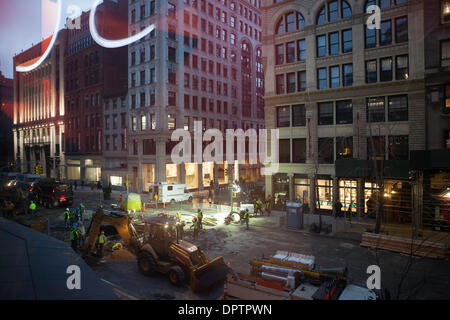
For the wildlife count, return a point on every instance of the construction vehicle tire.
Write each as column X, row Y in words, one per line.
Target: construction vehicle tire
column 176, row 275
column 146, row 263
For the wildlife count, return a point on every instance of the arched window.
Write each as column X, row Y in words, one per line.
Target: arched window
column 333, row 11
column 289, row 22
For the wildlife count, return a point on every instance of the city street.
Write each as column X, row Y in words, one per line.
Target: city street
column 427, row 278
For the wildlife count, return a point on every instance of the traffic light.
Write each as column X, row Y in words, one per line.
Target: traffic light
column 38, row 169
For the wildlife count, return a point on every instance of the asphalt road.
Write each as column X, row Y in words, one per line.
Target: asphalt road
column 426, row 279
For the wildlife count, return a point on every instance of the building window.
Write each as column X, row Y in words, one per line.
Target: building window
column 143, row 123
column 401, row 67
column 280, row 84
column 386, row 33
column 186, row 101
column 398, row 147
column 325, row 115
column 335, row 77
column 376, row 148
column 347, row 44
column 344, row 148
column 321, row 46
column 172, row 54
column 398, row 108
column 279, row 54
column 347, row 75
column 283, row 117
column 401, row 29
column 370, row 36
column 445, row 53
column 333, row 43
column 171, row 122
column 290, row 52
column 285, row 150
column 301, row 81
column 301, row 50
column 445, row 11
column 386, row 69
column 330, row 12
column 321, row 78
column 375, row 109
column 298, row 115
column 172, row 98
column 133, row 123
column 290, row 82
column 290, row 22
column 371, row 71
column 299, row 150
column 326, row 150
column 344, row 112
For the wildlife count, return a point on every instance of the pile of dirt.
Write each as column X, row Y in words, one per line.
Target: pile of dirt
column 119, row 256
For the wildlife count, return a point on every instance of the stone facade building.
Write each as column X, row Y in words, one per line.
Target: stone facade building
column 39, row 108
column 338, row 90
column 202, row 63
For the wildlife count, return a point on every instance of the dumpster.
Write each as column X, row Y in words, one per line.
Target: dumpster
column 294, row 215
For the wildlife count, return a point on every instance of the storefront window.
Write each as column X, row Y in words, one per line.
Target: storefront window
column 172, row 175
column 191, row 175
column 302, row 190
column 208, row 173
column 280, row 186
column 347, row 194
column 325, row 190
column 148, row 175
column 370, row 190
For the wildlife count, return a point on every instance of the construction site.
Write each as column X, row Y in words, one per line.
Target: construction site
column 160, row 252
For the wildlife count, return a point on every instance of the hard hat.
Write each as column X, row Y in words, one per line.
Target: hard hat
column 75, row 225
column 195, row 218
column 67, row 209
column 246, row 209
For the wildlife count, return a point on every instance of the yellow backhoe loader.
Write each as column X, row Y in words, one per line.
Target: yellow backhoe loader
column 159, row 247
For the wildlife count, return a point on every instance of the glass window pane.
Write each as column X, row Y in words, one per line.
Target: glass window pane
column 325, row 113
column 347, row 75
column 344, row 112
column 347, row 44
column 335, row 79
column 290, row 22
column 321, row 18
column 401, row 29
column 386, row 69
column 322, row 78
column 386, row 33
column 333, row 11
column 298, row 115
column 321, row 46
column 346, row 10
column 375, row 109
column 370, row 38
column 283, row 117
column 334, row 43
column 398, row 108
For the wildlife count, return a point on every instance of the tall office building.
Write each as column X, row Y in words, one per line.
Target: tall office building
column 94, row 76
column 339, row 90
column 6, row 115
column 203, row 62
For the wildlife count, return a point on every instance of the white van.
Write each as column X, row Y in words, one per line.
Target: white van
column 170, row 193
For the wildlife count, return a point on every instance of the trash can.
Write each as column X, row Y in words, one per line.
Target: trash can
column 294, row 215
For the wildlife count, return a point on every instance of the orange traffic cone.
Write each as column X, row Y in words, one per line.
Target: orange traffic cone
column 143, row 207
column 164, row 205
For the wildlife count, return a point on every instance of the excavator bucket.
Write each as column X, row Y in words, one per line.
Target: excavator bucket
column 209, row 274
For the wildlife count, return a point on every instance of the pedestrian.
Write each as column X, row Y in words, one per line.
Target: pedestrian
column 338, row 209
column 101, row 241
column 82, row 209
column 200, row 218
column 32, row 209
column 196, row 225
column 66, row 218
column 178, row 216
column 246, row 218
column 82, row 184
column 76, row 185
column 74, row 236
column 82, row 233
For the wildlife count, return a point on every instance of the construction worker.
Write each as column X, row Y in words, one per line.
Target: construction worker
column 82, row 209
column 258, row 207
column 78, row 215
column 74, row 236
column 246, row 217
column 101, row 243
column 200, row 218
column 71, row 216
column 32, row 208
column 196, row 225
column 119, row 199
column 178, row 216
column 66, row 218
column 82, row 232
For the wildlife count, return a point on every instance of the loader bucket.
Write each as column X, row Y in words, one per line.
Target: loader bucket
column 209, row 274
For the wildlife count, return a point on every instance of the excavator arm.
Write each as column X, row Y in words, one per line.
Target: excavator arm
column 122, row 224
